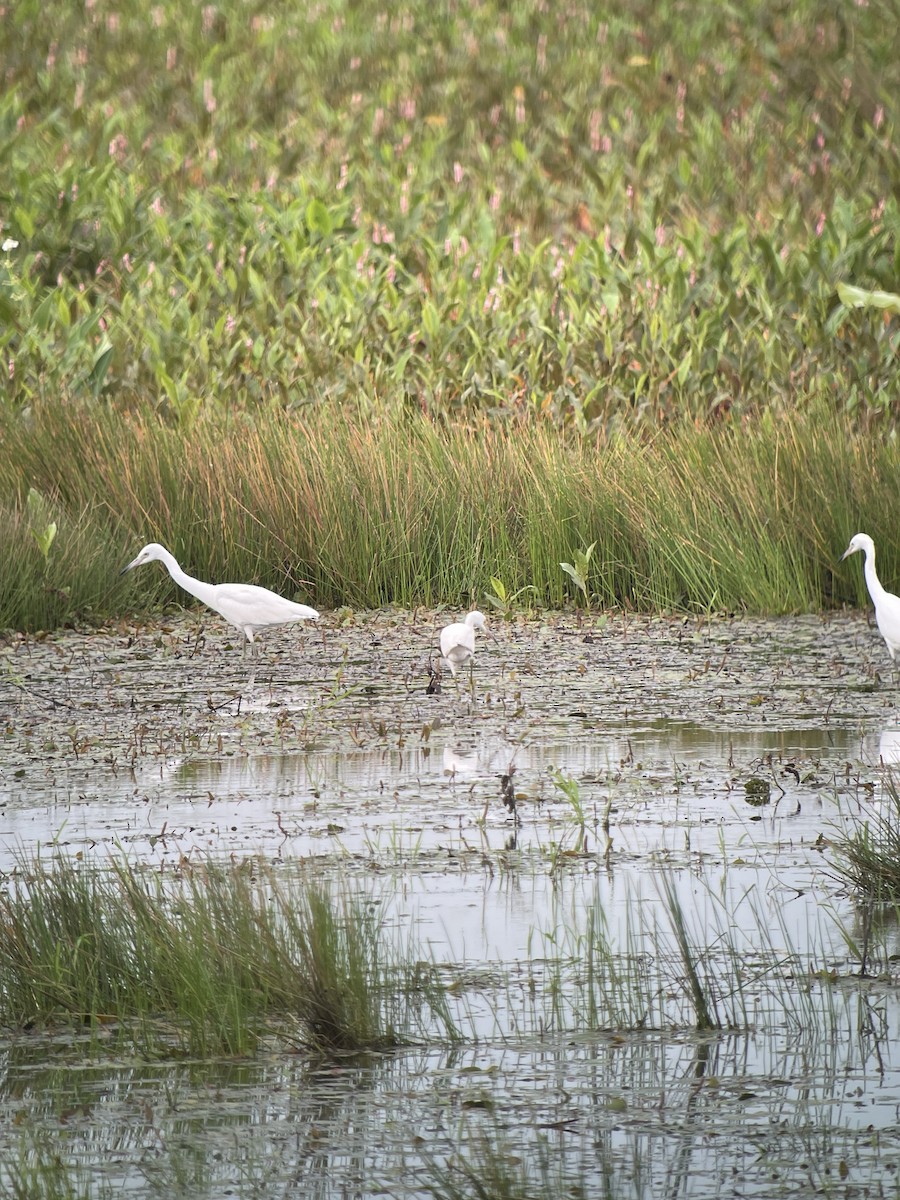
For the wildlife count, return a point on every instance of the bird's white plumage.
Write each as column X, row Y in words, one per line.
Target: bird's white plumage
column 458, row 640
column 887, row 605
column 246, row 606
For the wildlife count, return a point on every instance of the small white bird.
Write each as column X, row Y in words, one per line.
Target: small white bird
column 458, row 641
column 246, row 606
column 887, row 605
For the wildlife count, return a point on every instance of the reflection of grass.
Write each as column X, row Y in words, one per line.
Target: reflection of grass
column 693, row 977
column 493, row 1167
column 221, row 956
column 34, row 1171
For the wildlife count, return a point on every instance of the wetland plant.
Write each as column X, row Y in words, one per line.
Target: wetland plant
column 212, row 959
column 570, row 790
column 506, row 602
column 42, row 527
column 555, row 293
column 578, row 571
column 868, row 858
column 670, row 975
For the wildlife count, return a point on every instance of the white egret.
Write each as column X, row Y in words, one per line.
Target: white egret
column 246, row 606
column 887, row 605
column 458, row 641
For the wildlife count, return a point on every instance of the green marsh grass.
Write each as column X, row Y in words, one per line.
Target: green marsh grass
column 868, row 857
column 410, row 309
column 334, row 506
column 212, row 961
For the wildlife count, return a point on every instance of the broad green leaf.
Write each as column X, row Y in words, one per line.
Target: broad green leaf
column 44, row 538
column 24, row 221
column 431, row 320
column 318, row 218
column 62, row 309
column 855, row 297
column 102, row 360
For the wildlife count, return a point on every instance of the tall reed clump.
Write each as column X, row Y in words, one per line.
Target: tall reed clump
column 868, row 857
column 211, row 960
column 346, row 506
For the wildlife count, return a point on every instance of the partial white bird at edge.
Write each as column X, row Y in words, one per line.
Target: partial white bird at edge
column 887, row 605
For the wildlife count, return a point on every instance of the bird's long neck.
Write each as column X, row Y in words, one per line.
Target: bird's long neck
column 203, row 591
column 873, row 583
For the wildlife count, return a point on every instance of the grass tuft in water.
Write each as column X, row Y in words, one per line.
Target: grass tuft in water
column 701, row 994
column 213, row 960
column 868, row 858
column 680, row 974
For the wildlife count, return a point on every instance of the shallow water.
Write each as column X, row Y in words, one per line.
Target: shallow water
column 721, row 756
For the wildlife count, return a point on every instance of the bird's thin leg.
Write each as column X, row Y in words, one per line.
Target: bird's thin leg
column 197, row 636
